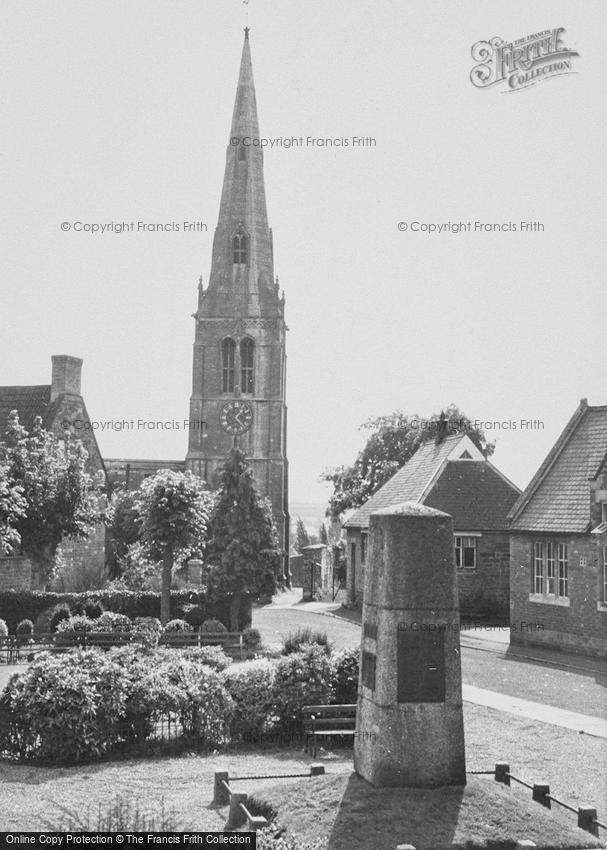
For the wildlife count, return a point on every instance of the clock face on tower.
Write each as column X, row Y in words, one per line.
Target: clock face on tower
column 236, row 417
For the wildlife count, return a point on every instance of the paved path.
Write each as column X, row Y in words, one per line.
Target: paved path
column 536, row 711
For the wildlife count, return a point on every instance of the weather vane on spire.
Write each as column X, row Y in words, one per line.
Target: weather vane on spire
column 245, row 3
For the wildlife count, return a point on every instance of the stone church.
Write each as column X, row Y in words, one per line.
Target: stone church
column 239, row 366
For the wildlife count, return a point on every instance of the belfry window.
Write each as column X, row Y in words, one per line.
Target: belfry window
column 239, row 249
column 228, row 350
column 247, row 352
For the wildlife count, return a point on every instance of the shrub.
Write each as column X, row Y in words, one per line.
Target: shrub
column 295, row 640
column 25, row 628
column 120, row 816
column 268, row 840
column 3, row 629
column 147, row 624
column 111, row 622
column 71, row 632
column 251, row 687
column 302, row 678
column 60, row 613
column 251, row 638
column 194, row 615
column 210, row 656
column 177, row 626
column 345, row 667
column 213, row 626
column 93, row 609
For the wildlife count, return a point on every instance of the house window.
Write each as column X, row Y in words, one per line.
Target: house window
column 550, row 569
column 239, row 249
column 228, row 349
column 363, row 547
column 465, row 553
column 247, row 351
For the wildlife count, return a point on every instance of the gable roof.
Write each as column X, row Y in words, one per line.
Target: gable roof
column 475, row 493
column 413, row 479
column 29, row 401
column 558, row 496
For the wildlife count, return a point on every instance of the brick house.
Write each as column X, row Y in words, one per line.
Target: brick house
column 452, row 476
column 558, row 545
column 61, row 407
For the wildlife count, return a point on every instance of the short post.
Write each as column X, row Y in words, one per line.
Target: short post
column 525, row 844
column 541, row 794
column 502, row 772
column 317, row 769
column 221, row 795
column 236, row 816
column 256, row 822
column 586, row 815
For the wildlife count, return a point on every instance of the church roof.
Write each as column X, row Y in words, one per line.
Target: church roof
column 29, row 401
column 557, row 498
column 472, row 490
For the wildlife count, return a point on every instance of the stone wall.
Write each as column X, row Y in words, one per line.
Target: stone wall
column 579, row 626
column 15, row 573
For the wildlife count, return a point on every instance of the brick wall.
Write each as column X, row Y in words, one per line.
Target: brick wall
column 486, row 590
column 579, row 627
column 15, row 573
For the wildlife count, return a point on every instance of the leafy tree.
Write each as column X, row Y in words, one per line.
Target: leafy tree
column 243, row 544
column 12, row 509
column 124, row 516
column 174, row 511
column 323, row 535
column 61, row 499
column 302, row 538
column 392, row 441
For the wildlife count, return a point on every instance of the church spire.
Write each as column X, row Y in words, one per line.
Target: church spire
column 242, row 268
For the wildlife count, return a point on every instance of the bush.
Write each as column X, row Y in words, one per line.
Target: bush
column 251, row 638
column 302, row 678
column 25, row 628
column 210, row 656
column 194, row 615
column 345, row 667
column 251, row 687
column 3, row 629
column 177, row 626
column 295, row 640
column 213, row 626
column 60, row 613
column 147, row 624
column 93, row 609
column 266, row 840
column 71, row 632
column 111, row 622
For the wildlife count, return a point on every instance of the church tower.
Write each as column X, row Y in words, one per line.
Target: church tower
column 238, row 390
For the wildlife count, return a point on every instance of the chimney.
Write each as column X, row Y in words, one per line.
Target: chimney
column 65, row 375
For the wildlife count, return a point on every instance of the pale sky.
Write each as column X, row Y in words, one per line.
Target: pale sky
column 117, row 111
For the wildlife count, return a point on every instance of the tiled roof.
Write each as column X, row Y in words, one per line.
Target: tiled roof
column 558, row 496
column 476, row 495
column 409, row 483
column 29, row 401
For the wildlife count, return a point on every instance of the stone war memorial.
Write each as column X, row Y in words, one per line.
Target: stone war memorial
column 409, row 714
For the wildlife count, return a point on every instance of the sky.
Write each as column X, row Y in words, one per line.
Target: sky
column 117, row 112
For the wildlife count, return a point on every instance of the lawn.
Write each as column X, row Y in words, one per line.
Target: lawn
column 33, row 797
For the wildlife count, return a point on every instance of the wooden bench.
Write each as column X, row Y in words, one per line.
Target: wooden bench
column 231, row 642
column 324, row 721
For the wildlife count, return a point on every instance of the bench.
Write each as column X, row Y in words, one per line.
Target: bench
column 324, row 721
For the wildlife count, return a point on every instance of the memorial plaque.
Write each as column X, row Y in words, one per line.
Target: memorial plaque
column 421, row 666
column 370, row 630
column 368, row 671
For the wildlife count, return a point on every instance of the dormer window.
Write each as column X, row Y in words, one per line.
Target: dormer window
column 239, row 249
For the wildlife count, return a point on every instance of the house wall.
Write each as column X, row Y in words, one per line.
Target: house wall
column 485, row 591
column 15, row 573
column 579, row 627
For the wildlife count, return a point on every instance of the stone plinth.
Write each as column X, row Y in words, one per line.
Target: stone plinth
column 409, row 717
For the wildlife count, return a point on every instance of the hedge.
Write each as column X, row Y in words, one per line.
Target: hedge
column 17, row 605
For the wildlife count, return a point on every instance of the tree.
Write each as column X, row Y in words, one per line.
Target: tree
column 243, row 544
column 174, row 511
column 61, row 499
column 124, row 517
column 392, row 441
column 302, row 538
column 323, row 535
column 12, row 509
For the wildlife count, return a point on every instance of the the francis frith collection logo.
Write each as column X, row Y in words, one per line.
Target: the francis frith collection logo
column 522, row 63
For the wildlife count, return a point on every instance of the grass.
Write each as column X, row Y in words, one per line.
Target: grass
column 482, row 816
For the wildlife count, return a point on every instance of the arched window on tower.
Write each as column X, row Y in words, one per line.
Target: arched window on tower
column 247, row 352
column 228, row 350
column 239, row 249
